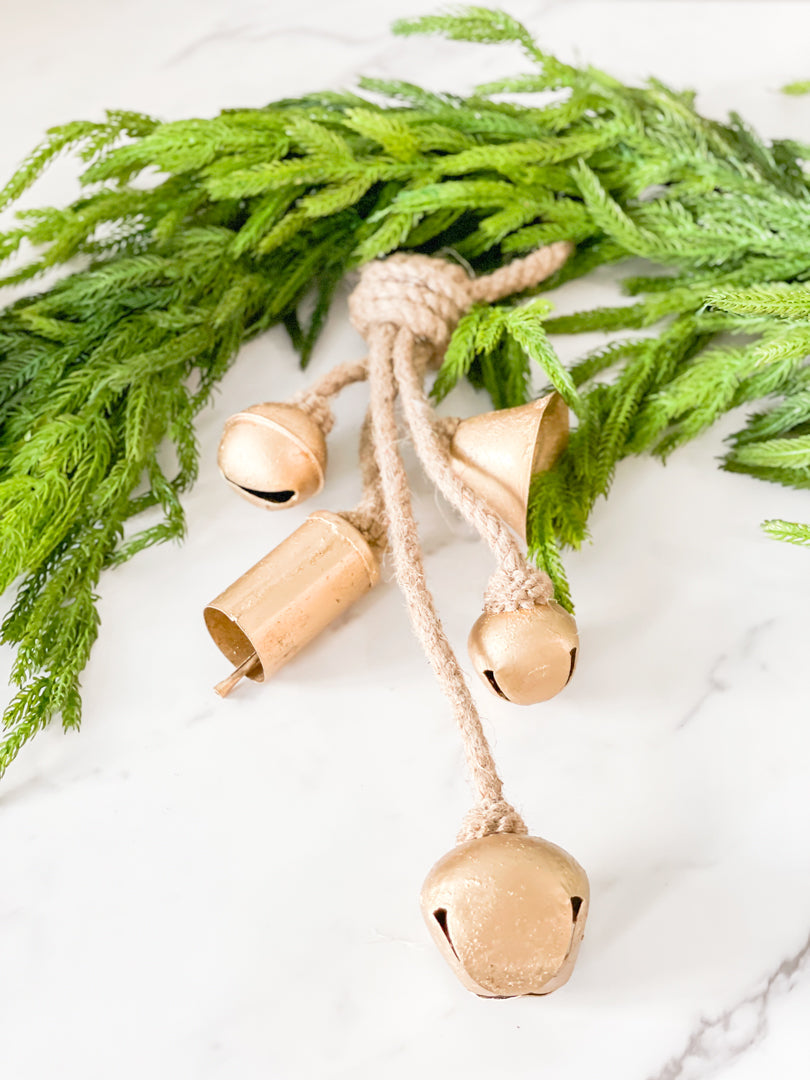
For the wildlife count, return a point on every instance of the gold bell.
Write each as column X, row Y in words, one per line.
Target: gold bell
column 507, row 913
column 286, row 599
column 497, row 453
column 273, row 454
column 525, row 656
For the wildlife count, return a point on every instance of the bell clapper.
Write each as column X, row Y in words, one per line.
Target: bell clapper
column 224, row 687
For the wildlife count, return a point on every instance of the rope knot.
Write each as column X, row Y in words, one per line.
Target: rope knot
column 426, row 295
column 317, row 406
column 497, row 816
column 513, row 590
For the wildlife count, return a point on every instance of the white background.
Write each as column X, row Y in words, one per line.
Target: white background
column 205, row 889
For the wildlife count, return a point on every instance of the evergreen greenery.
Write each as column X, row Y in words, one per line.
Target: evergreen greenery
column 193, row 236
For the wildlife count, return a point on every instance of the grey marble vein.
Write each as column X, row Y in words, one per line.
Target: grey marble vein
column 716, row 683
column 719, row 1040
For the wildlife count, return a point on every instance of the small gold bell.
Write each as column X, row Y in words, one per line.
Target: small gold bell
column 525, row 656
column 497, row 453
column 273, row 454
column 507, row 913
column 277, row 607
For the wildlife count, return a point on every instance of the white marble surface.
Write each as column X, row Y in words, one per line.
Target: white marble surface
column 208, row 890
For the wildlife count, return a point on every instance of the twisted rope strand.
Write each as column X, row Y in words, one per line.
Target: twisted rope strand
column 520, row 274
column 516, row 579
column 492, row 813
column 406, row 307
column 369, row 516
column 316, row 399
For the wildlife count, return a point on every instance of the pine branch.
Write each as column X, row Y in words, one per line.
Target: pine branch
column 797, row 88
column 256, row 216
column 789, row 531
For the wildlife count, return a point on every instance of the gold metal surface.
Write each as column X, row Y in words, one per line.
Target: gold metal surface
column 525, row 656
column 273, row 455
column 497, row 453
column 507, row 913
column 292, row 594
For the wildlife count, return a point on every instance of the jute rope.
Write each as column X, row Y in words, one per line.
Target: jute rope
column 516, row 582
column 370, row 516
column 316, row 399
column 406, row 307
column 494, row 812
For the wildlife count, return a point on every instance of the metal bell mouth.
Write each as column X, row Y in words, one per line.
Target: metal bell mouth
column 498, row 453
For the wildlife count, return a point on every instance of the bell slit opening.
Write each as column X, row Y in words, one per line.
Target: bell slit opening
column 440, row 915
column 489, row 675
column 278, row 497
column 573, row 665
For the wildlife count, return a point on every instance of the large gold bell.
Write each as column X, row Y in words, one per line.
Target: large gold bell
column 497, row 453
column 525, row 656
column 507, row 913
column 277, row 607
column 273, row 454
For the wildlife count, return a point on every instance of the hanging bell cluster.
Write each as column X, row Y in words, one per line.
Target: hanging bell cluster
column 274, row 455
column 506, row 910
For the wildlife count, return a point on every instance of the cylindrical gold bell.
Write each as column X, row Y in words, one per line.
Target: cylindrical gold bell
column 525, row 656
column 497, row 453
column 273, row 454
column 507, row 913
column 287, row 598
